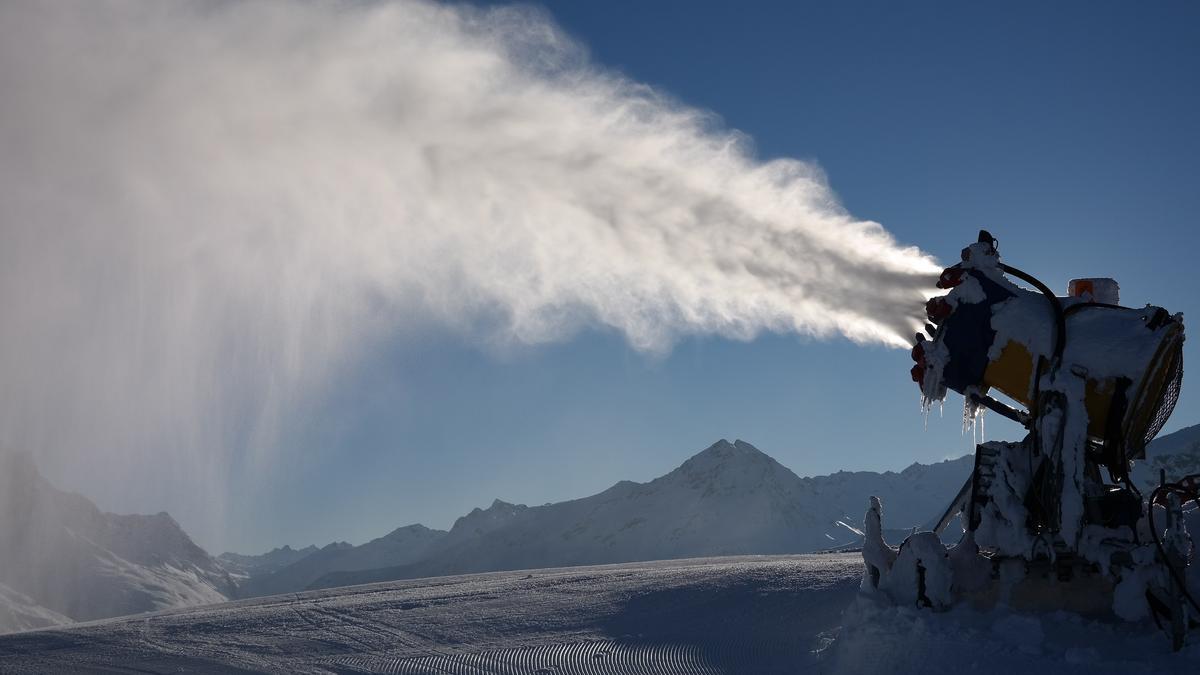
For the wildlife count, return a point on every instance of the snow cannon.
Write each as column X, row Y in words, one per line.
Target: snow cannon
column 1055, row 521
column 989, row 334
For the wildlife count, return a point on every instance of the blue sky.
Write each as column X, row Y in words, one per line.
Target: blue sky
column 1067, row 129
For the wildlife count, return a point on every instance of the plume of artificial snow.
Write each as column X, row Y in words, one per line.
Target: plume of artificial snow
column 206, row 207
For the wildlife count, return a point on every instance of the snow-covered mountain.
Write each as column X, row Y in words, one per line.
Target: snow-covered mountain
column 729, row 499
column 20, row 612
column 59, row 551
column 243, row 567
column 399, row 547
column 1176, row 453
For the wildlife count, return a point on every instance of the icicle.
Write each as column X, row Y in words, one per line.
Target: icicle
column 973, row 417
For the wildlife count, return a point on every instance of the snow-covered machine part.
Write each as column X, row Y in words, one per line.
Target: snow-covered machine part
column 1052, row 522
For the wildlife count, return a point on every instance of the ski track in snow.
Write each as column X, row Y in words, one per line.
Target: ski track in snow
column 752, row 614
column 758, row 615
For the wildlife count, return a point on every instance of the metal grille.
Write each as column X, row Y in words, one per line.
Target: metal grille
column 1169, row 396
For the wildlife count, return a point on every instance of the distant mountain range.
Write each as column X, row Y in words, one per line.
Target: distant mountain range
column 242, row 567
column 401, row 546
column 63, row 559
column 729, row 499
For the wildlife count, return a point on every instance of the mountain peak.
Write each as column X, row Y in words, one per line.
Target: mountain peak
column 739, row 444
column 727, row 468
column 409, row 531
column 480, row 520
column 723, row 452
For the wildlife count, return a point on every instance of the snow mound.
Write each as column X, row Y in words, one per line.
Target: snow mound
column 876, row 638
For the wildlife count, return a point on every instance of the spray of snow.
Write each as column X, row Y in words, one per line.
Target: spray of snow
column 206, row 208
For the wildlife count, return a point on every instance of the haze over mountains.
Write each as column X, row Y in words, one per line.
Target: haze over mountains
column 62, row 559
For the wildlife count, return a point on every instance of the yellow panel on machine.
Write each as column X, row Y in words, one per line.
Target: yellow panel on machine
column 1138, row 384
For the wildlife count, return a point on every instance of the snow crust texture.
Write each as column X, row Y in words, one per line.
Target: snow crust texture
column 754, row 614
column 889, row 640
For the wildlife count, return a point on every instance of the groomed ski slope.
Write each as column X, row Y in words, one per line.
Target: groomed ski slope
column 748, row 614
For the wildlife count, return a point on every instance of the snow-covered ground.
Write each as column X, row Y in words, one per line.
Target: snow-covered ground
column 749, row 614
column 878, row 639
column 743, row 614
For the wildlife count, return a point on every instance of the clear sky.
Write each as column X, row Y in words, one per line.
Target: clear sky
column 1067, row 129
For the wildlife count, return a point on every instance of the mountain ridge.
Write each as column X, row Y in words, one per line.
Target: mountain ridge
column 730, row 498
column 912, row 497
column 64, row 557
